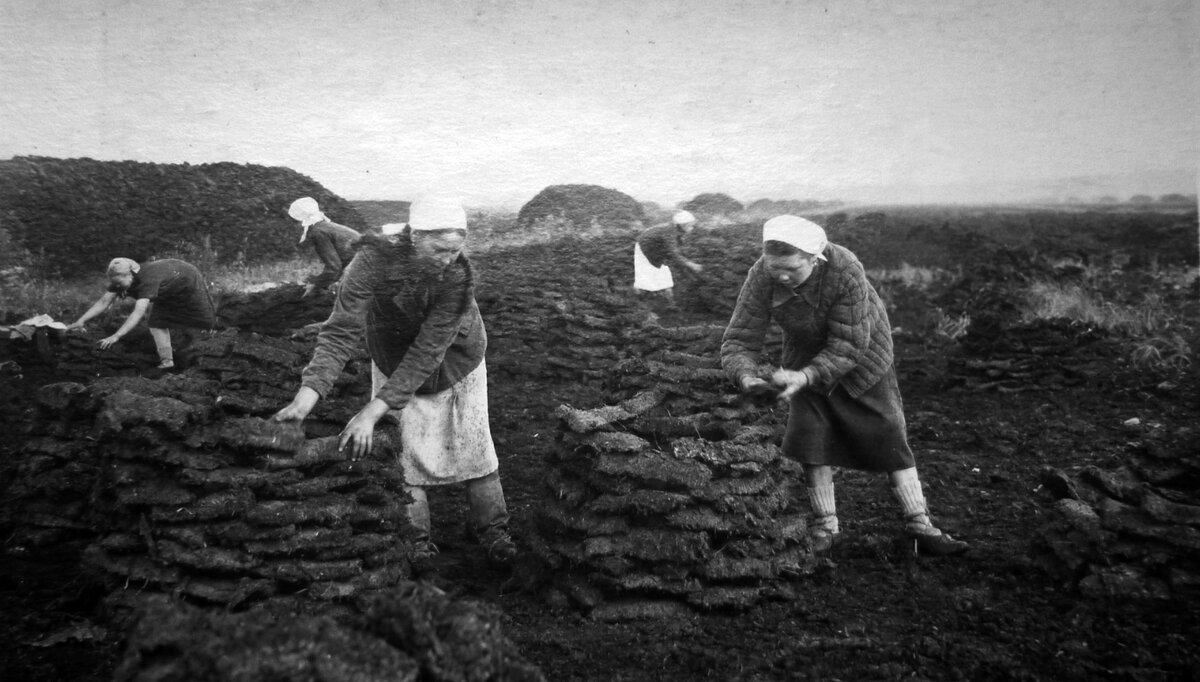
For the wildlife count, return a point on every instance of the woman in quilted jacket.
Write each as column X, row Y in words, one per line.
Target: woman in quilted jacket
column 837, row 372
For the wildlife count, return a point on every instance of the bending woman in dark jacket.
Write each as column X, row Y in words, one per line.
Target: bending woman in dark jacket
column 171, row 291
column 837, row 372
column 333, row 243
column 413, row 291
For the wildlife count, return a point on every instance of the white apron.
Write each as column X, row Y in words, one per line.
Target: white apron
column 646, row 277
column 445, row 437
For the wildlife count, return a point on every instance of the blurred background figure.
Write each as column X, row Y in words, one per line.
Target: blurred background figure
column 656, row 250
column 172, row 291
column 333, row 243
column 412, row 289
column 838, row 372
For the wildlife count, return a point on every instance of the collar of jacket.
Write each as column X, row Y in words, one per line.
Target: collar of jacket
column 810, row 291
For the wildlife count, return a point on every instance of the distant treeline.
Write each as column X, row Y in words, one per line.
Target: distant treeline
column 72, row 216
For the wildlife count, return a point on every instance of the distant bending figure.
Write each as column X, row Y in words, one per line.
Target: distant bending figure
column 838, row 373
column 413, row 292
column 656, row 250
column 174, row 292
column 333, row 243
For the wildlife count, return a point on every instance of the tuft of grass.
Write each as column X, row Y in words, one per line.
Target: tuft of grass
column 1155, row 329
column 1049, row 300
column 235, row 278
column 909, row 276
column 62, row 300
column 1162, row 352
column 952, row 327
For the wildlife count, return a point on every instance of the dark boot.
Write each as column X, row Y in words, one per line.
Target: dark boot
column 489, row 518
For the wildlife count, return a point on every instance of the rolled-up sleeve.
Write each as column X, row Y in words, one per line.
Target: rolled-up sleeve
column 742, row 343
column 327, row 252
column 342, row 332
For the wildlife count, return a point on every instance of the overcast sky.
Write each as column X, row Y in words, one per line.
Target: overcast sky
column 905, row 100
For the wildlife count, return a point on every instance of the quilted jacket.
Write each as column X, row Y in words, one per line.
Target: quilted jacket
column 834, row 325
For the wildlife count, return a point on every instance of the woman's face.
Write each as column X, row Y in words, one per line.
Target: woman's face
column 122, row 280
column 792, row 270
column 439, row 248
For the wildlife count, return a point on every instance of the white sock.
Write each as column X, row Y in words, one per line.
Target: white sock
column 162, row 343
column 824, row 507
column 916, row 513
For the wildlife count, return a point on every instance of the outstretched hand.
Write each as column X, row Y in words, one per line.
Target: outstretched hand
column 300, row 406
column 108, row 341
column 359, row 434
column 759, row 391
column 790, row 380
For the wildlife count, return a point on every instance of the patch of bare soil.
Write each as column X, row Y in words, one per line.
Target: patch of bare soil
column 998, row 420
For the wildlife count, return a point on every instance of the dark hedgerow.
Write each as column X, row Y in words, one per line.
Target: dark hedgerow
column 76, row 214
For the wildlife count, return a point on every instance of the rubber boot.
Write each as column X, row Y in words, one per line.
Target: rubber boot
column 489, row 518
column 418, row 517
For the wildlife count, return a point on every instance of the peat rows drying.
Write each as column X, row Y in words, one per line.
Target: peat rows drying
column 186, row 488
column 1132, row 531
column 275, row 310
column 672, row 498
column 1038, row 355
column 411, row 632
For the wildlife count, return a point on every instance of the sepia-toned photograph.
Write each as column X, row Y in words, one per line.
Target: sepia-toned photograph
column 552, row 340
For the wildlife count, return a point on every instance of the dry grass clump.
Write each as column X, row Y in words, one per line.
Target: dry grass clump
column 1159, row 333
column 1049, row 300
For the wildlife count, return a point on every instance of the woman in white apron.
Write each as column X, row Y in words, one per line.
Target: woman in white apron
column 413, row 291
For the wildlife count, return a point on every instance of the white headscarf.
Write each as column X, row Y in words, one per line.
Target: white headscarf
column 683, row 218
column 803, row 234
column 121, row 266
column 308, row 212
column 437, row 212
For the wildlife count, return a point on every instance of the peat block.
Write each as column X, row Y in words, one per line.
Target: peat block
column 1126, row 532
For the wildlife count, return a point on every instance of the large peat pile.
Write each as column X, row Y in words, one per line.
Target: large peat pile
column 186, row 488
column 64, row 208
column 674, row 499
column 226, row 508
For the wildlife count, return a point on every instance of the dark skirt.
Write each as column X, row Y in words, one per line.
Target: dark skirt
column 194, row 310
column 867, row 432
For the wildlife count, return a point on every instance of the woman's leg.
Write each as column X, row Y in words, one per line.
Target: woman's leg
column 418, row 512
column 162, row 343
column 423, row 549
column 489, row 517
column 824, row 524
column 906, row 486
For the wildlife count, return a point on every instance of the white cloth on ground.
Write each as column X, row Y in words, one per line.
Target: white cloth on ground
column 445, row 437
column 646, row 277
